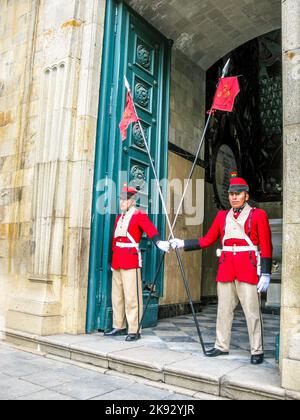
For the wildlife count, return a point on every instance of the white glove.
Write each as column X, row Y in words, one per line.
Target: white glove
column 177, row 243
column 164, row 246
column 264, row 283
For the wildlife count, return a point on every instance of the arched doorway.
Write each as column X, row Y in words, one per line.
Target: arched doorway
column 254, row 131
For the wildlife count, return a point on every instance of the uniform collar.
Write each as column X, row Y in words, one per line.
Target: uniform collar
column 130, row 211
column 239, row 211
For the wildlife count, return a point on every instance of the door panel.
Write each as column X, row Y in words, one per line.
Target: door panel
column 143, row 55
column 143, row 72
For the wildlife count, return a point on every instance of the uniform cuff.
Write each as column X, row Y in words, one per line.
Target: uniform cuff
column 192, row 245
column 266, row 265
column 156, row 238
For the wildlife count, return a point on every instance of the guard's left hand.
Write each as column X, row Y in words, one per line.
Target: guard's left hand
column 264, row 283
column 177, row 243
column 164, row 246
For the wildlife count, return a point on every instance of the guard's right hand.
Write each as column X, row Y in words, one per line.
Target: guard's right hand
column 163, row 246
column 177, row 243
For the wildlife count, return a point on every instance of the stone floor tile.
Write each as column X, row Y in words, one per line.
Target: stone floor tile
column 13, row 388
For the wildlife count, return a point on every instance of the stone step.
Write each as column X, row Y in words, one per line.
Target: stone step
column 229, row 377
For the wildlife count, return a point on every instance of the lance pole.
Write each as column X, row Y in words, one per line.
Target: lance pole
column 224, row 73
column 182, row 271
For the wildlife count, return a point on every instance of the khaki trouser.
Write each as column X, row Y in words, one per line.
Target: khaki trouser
column 229, row 295
column 127, row 302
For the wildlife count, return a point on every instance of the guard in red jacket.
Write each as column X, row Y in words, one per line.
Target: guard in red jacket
column 127, row 295
column 244, row 267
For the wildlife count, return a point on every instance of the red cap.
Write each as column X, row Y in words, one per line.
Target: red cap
column 128, row 192
column 237, row 184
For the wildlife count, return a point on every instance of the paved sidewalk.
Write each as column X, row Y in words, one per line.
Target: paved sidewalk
column 26, row 376
column 166, row 356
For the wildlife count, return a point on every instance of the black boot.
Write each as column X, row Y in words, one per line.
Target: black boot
column 257, row 359
column 115, row 333
column 215, row 353
column 133, row 337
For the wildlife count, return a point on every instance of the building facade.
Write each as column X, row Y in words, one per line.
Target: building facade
column 61, row 95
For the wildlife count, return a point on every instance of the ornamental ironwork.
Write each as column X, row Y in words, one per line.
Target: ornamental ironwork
column 142, row 95
column 143, row 56
column 138, row 177
column 137, row 135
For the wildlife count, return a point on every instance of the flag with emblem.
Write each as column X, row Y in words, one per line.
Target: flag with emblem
column 129, row 115
column 226, row 93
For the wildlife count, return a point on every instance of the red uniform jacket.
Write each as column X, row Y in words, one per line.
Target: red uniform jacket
column 243, row 265
column 127, row 258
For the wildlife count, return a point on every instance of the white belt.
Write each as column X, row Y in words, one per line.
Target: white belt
column 131, row 246
column 240, row 248
column 127, row 245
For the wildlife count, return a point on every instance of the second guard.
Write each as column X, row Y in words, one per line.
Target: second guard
column 244, row 266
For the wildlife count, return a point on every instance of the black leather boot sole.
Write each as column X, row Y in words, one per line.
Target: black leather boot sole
column 115, row 333
column 215, row 353
column 258, row 359
column 133, row 337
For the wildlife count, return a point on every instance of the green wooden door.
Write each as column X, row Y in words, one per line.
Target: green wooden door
column 132, row 48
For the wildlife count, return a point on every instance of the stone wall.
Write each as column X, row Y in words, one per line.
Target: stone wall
column 187, row 103
column 174, row 291
column 49, row 86
column 187, row 108
column 17, row 34
column 290, row 315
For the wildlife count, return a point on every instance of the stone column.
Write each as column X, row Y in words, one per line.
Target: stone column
column 65, row 67
column 290, row 319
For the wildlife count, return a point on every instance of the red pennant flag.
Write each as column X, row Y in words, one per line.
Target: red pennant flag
column 226, row 93
column 129, row 117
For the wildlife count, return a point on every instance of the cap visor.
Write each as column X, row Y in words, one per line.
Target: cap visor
column 127, row 196
column 238, row 189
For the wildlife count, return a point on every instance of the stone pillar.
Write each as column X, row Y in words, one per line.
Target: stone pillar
column 65, row 65
column 290, row 320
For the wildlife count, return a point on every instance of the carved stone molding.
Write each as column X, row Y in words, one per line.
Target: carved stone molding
column 50, row 175
column 40, row 280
